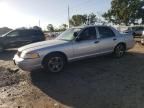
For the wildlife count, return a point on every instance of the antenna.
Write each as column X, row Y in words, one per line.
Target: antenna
column 68, row 17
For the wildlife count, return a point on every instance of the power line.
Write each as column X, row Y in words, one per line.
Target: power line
column 81, row 4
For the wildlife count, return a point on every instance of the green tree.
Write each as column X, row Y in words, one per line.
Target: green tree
column 92, row 18
column 78, row 20
column 123, row 11
column 50, row 28
column 140, row 13
column 63, row 27
column 108, row 16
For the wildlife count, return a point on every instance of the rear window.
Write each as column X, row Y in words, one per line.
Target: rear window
column 35, row 32
column 105, row 32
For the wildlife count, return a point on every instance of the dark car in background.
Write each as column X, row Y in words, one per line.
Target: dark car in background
column 19, row 37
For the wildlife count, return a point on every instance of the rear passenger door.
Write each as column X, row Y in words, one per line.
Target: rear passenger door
column 107, row 39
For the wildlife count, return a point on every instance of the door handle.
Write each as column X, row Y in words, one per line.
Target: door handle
column 96, row 42
column 28, row 42
column 114, row 39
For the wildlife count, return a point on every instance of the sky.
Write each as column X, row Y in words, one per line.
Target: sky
column 20, row 13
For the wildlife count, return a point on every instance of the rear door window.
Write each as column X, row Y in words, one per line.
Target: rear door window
column 105, row 32
column 88, row 34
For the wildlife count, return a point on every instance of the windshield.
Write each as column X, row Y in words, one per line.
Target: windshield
column 68, row 35
column 6, row 33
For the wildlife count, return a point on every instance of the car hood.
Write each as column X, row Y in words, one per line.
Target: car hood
column 42, row 44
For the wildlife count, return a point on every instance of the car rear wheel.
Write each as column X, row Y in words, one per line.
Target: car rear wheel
column 54, row 63
column 119, row 50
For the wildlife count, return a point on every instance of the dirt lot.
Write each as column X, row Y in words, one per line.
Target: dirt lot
column 101, row 82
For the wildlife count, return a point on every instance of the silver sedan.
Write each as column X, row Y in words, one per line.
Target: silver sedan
column 73, row 44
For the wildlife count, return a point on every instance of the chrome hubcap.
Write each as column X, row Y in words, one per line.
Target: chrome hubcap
column 55, row 64
column 120, row 50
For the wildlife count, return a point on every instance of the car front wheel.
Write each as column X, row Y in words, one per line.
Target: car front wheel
column 54, row 63
column 119, row 50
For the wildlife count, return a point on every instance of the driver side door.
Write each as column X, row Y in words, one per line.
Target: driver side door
column 87, row 44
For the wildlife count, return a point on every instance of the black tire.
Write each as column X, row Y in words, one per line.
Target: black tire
column 119, row 50
column 1, row 48
column 54, row 63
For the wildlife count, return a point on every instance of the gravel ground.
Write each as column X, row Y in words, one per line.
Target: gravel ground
column 100, row 82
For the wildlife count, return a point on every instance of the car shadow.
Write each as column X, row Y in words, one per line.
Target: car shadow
column 7, row 55
column 100, row 82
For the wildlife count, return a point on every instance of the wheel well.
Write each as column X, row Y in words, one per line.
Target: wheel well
column 56, row 52
column 122, row 44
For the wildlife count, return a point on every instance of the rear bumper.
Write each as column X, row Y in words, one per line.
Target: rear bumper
column 27, row 64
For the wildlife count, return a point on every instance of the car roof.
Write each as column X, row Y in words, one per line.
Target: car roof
column 85, row 26
column 28, row 29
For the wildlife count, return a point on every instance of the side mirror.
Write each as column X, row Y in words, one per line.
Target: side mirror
column 75, row 34
column 78, row 39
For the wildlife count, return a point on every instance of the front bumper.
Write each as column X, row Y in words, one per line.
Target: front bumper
column 27, row 64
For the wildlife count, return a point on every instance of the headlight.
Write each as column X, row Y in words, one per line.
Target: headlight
column 30, row 55
column 143, row 33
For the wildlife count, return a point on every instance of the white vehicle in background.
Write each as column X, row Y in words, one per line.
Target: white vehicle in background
column 73, row 44
column 142, row 39
column 138, row 33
